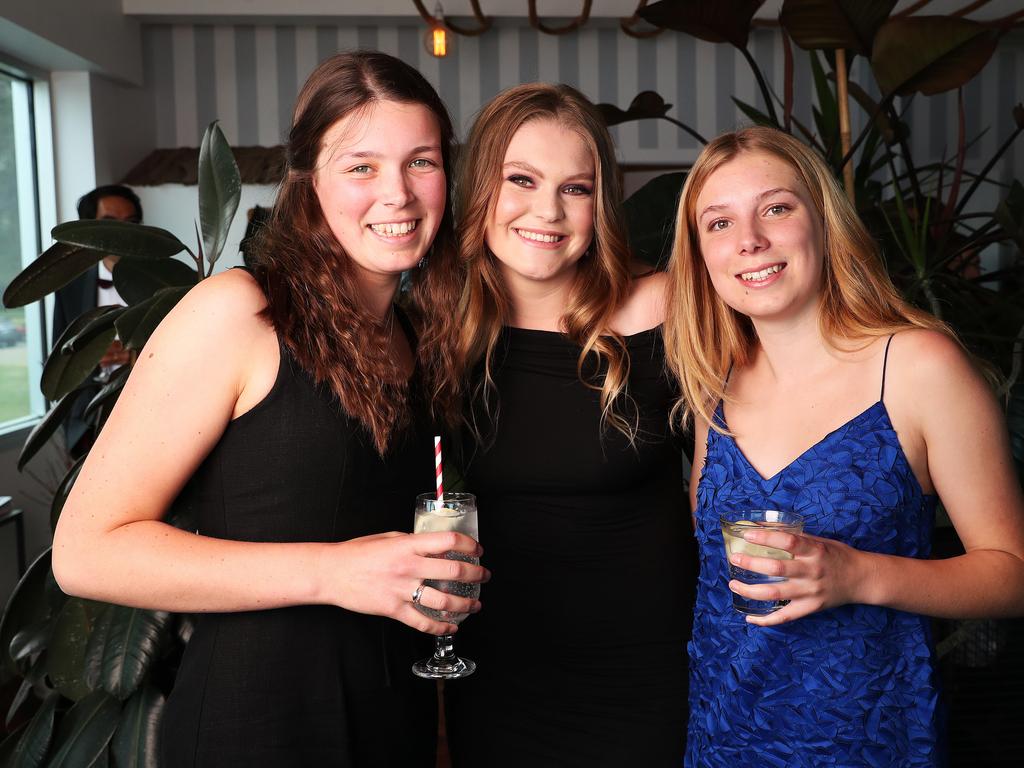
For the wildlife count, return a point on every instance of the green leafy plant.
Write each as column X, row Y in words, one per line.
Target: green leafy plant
column 97, row 674
column 924, row 216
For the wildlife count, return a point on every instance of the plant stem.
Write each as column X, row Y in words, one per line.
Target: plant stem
column 844, row 122
column 988, row 167
column 686, row 128
column 765, row 92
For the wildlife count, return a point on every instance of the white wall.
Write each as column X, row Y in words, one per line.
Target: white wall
column 175, row 207
column 123, row 127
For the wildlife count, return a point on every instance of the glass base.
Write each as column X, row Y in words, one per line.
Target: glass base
column 444, row 664
column 750, row 607
column 460, row 668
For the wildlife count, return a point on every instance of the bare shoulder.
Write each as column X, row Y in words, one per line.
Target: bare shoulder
column 223, row 306
column 922, row 360
column 931, row 383
column 644, row 308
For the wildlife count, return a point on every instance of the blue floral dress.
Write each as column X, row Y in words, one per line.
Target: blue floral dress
column 849, row 686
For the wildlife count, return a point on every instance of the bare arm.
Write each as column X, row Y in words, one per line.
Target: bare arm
column 644, row 308
column 209, row 361
column 945, row 402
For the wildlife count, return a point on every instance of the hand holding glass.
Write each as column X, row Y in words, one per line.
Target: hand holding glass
column 734, row 524
column 453, row 512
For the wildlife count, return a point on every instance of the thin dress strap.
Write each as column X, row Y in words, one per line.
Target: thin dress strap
column 885, row 363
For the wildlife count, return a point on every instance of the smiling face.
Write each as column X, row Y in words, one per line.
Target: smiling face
column 761, row 237
column 381, row 185
column 543, row 219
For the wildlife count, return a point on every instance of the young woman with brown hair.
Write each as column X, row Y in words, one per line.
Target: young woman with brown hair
column 275, row 409
column 786, row 332
column 555, row 347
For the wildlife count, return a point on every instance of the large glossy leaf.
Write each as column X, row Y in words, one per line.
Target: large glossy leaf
column 103, row 760
column 119, row 238
column 27, row 606
column 721, row 21
column 220, row 187
column 57, row 266
column 85, row 731
column 30, row 640
column 137, row 280
column 109, row 393
column 646, row 105
column 74, row 359
column 42, row 431
column 135, row 741
column 65, row 658
column 930, row 54
column 829, row 24
column 9, row 744
column 137, row 324
column 34, row 680
column 103, row 320
column 130, row 643
column 650, row 218
column 35, row 739
column 60, row 496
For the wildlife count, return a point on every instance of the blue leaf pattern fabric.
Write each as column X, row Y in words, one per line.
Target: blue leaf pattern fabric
column 849, row 686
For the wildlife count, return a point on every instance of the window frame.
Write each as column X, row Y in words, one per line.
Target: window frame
column 30, row 104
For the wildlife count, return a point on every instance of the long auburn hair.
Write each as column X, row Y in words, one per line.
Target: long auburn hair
column 309, row 280
column 455, row 342
column 705, row 337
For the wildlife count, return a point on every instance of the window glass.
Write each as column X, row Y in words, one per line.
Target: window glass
column 20, row 329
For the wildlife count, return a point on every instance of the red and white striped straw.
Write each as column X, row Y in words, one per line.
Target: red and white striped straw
column 438, row 471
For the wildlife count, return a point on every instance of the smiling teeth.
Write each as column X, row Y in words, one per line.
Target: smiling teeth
column 538, row 236
column 762, row 275
column 394, row 230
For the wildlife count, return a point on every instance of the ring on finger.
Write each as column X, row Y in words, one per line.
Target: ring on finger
column 418, row 593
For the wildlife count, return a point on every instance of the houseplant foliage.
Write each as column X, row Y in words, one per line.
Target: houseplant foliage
column 97, row 674
column 924, row 216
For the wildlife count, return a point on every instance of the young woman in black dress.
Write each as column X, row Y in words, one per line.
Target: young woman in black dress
column 581, row 649
column 276, row 408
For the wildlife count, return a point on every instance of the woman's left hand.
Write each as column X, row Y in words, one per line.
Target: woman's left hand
column 823, row 573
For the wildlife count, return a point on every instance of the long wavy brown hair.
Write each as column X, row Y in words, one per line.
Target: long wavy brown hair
column 455, row 342
column 313, row 300
column 705, row 337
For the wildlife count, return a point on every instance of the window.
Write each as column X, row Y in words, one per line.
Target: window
column 21, row 330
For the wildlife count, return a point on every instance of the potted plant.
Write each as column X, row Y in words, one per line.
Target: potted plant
column 97, row 674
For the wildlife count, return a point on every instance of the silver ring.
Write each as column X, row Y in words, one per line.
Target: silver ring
column 418, row 593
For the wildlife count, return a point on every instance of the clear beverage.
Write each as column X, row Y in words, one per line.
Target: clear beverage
column 734, row 524
column 454, row 512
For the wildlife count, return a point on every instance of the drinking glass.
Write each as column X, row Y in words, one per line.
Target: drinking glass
column 452, row 512
column 734, row 524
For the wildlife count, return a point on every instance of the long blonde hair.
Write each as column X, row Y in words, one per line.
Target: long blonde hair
column 705, row 337
column 453, row 343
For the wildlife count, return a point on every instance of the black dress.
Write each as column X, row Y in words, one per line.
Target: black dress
column 581, row 643
column 307, row 685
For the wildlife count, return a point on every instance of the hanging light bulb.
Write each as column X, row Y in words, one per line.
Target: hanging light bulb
column 437, row 40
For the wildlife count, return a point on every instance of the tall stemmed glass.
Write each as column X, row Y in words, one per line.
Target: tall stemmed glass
column 452, row 512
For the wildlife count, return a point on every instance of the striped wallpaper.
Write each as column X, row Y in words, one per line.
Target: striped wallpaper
column 248, row 77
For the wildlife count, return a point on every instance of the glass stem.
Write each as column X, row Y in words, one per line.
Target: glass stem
column 444, row 650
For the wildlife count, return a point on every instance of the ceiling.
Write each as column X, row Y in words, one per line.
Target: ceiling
column 305, row 10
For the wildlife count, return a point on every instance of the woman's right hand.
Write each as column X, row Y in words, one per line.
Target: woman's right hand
column 378, row 575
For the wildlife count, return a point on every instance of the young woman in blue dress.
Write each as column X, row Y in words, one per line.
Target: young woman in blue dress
column 815, row 388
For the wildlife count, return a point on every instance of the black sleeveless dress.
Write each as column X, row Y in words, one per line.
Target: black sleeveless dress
column 307, row 685
column 581, row 643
